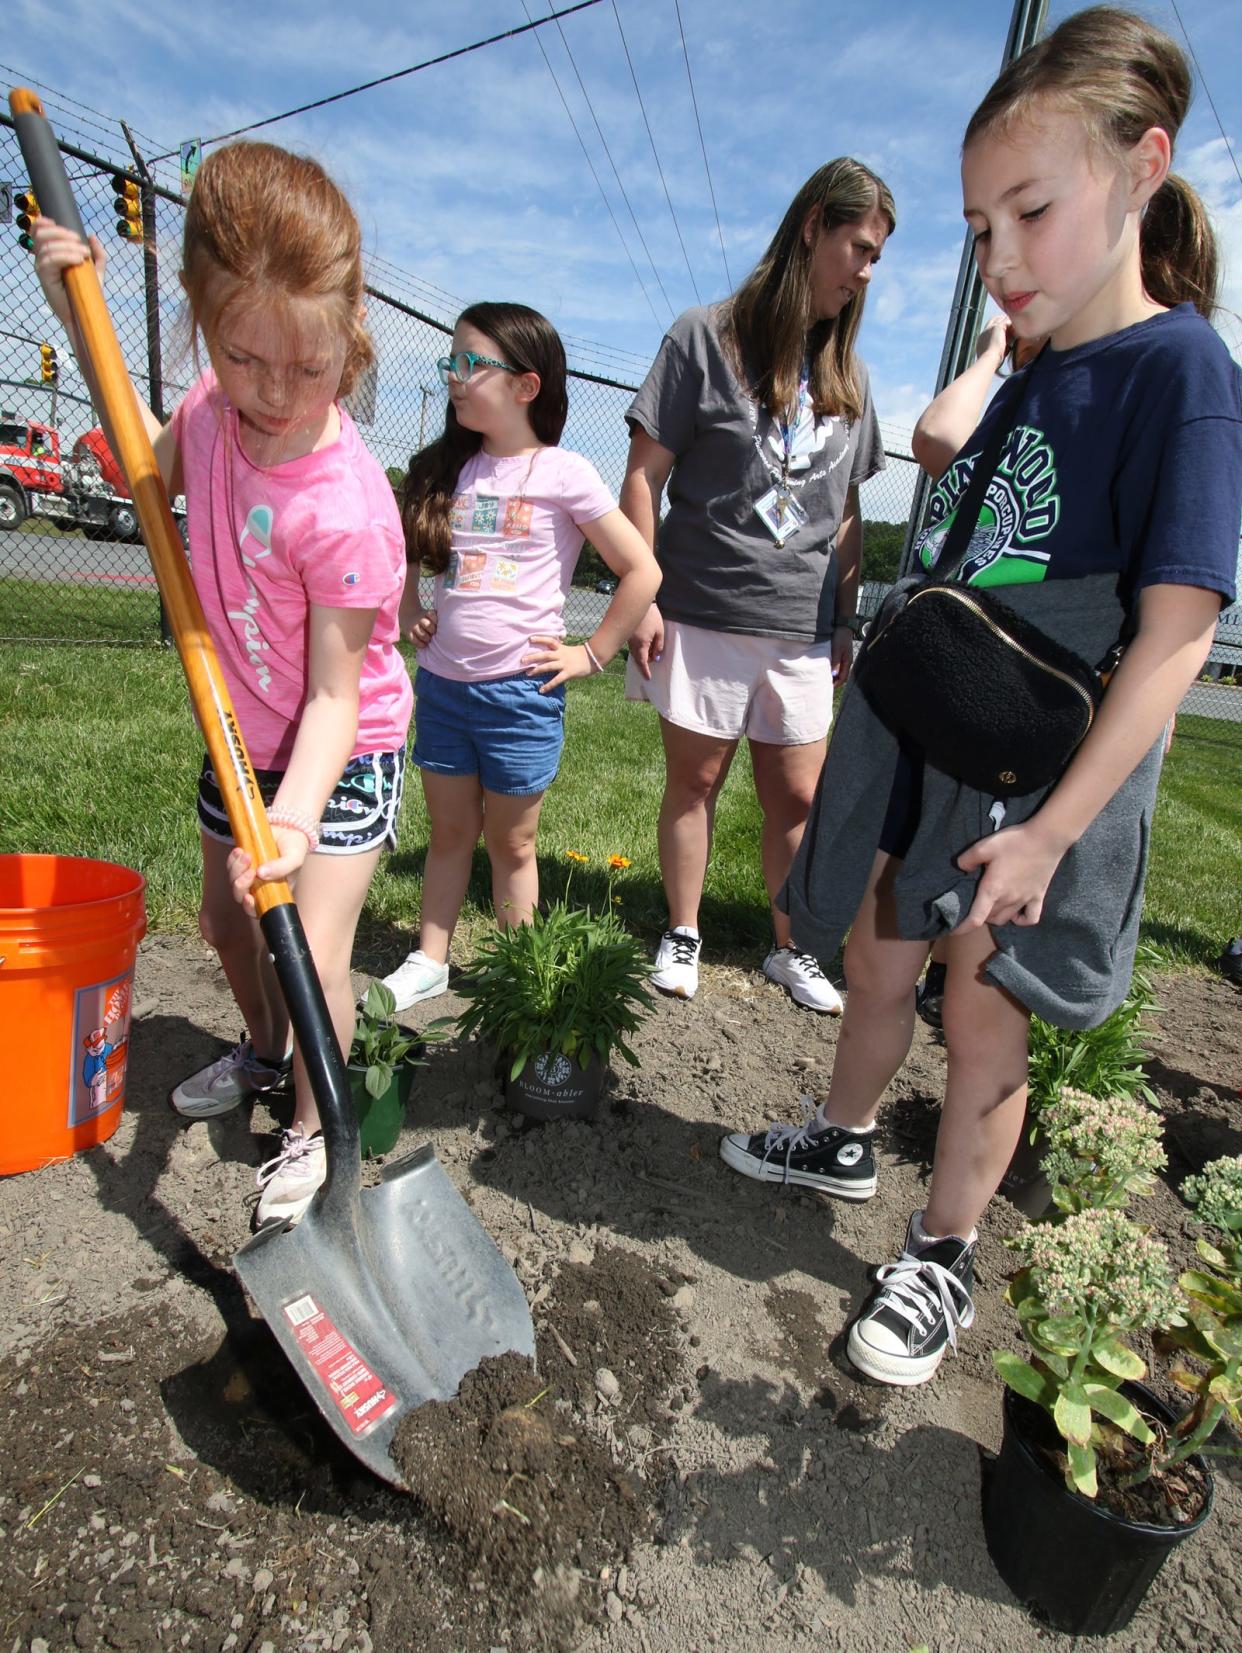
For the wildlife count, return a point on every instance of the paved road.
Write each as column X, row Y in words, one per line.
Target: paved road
column 72, row 557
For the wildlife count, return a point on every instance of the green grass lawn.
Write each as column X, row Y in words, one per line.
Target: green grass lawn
column 99, row 756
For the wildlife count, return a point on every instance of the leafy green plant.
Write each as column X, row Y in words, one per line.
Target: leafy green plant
column 571, row 980
column 1105, row 1061
column 1211, row 1334
column 1088, row 1281
column 380, row 1044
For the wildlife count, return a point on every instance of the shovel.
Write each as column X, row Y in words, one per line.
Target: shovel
column 383, row 1297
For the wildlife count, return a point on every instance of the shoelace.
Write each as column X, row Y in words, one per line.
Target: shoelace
column 685, row 948
column 791, row 1138
column 915, row 1287
column 806, row 962
column 225, row 1064
column 294, row 1150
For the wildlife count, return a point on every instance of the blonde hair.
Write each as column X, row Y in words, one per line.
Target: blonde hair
column 263, row 225
column 1119, row 76
column 765, row 327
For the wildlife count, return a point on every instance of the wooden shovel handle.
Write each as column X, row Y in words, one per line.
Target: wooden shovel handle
column 208, row 692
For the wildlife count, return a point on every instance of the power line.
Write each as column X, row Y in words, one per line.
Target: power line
column 702, row 145
column 625, row 246
column 600, row 131
column 1206, row 91
column 655, row 152
column 398, row 74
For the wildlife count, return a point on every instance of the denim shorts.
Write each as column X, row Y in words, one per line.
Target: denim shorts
column 504, row 731
column 360, row 815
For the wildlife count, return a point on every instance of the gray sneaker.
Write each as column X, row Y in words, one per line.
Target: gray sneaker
column 224, row 1083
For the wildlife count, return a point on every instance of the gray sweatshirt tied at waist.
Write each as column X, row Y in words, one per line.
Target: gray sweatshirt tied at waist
column 1072, row 968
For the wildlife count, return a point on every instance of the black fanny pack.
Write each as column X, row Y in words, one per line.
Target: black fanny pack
column 987, row 696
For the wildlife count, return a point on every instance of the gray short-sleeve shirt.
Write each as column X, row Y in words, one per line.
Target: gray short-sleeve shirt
column 722, row 568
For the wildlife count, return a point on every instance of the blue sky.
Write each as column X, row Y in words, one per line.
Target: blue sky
column 468, row 177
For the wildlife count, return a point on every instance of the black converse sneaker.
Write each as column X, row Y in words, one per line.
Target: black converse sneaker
column 915, row 1310
column 829, row 1158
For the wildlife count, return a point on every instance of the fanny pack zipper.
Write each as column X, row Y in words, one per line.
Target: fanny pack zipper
column 976, row 608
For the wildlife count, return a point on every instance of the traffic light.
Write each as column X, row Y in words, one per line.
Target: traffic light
column 128, row 205
column 49, row 367
column 27, row 212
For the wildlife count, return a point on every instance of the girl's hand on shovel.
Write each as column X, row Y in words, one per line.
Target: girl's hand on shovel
column 294, row 847
column 58, row 250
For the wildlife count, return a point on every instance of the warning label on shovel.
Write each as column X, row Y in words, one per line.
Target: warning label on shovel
column 363, row 1399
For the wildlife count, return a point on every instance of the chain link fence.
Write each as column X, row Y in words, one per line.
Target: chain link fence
column 72, row 565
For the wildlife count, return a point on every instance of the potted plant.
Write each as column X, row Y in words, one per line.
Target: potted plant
column 382, row 1059
column 555, row 998
column 1090, row 1490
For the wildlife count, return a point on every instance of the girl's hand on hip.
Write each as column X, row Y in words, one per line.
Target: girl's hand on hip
column 842, row 654
column 647, row 643
column 554, row 654
column 423, row 629
column 1018, row 865
column 294, row 846
column 57, row 250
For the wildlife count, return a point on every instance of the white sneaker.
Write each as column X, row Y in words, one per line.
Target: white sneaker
column 676, row 968
column 801, row 977
column 222, row 1084
column 291, row 1180
column 417, row 979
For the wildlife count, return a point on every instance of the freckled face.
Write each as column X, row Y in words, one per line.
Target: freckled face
column 1054, row 229
column 842, row 260
column 280, row 368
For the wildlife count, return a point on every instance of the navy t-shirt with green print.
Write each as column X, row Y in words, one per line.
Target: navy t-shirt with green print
column 1126, row 458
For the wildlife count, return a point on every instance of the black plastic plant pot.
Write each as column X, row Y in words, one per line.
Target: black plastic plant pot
column 552, row 1086
column 1024, row 1184
column 1072, row 1562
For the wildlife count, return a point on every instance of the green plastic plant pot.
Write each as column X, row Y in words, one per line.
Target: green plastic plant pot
column 553, row 1086
column 380, row 1118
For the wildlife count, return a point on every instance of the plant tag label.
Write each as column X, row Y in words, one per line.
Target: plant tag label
column 363, row 1399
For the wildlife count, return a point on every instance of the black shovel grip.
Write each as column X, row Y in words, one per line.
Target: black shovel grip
column 47, row 169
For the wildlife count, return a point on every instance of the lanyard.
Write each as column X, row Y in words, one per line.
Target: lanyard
column 789, row 435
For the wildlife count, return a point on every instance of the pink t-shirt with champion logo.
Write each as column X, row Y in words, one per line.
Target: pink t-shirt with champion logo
column 268, row 541
column 516, row 541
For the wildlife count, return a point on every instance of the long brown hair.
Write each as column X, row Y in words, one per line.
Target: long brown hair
column 1120, row 76
column 765, row 326
column 265, row 225
column 528, row 342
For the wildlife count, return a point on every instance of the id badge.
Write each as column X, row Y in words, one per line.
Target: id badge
column 781, row 514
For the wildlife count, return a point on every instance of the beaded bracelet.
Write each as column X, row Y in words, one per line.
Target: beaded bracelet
column 299, row 821
column 592, row 657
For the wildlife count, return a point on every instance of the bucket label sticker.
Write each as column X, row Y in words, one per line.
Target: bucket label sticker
column 100, row 1048
column 363, row 1399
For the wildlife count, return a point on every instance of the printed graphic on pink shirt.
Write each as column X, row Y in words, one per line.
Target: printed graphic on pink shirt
column 254, row 542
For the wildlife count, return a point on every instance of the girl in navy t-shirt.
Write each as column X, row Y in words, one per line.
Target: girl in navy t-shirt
column 1120, row 492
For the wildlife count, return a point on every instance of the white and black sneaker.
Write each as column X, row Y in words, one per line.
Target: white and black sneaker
column 676, row 968
column 916, row 1309
column 800, row 975
column 810, row 1155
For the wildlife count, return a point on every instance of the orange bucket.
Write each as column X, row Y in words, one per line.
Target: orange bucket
column 69, row 934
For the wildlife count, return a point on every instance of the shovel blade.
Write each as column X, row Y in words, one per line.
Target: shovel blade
column 386, row 1304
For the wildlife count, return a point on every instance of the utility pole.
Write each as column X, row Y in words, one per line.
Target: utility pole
column 1025, row 27
column 422, row 416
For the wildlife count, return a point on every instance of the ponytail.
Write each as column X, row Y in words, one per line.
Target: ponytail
column 1178, row 247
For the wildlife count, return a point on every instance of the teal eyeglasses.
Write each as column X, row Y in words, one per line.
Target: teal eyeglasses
column 463, row 364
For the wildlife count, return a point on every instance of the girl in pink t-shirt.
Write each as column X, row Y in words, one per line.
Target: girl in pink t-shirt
column 498, row 513
column 299, row 560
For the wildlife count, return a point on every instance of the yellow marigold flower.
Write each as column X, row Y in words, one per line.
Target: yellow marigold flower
column 573, row 855
column 618, row 862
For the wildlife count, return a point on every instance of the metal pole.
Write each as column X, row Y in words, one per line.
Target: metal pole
column 1026, row 24
column 422, row 416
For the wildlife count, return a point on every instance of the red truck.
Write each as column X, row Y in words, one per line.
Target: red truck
column 87, row 490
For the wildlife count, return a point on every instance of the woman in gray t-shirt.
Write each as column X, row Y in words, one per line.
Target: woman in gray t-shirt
column 757, row 414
